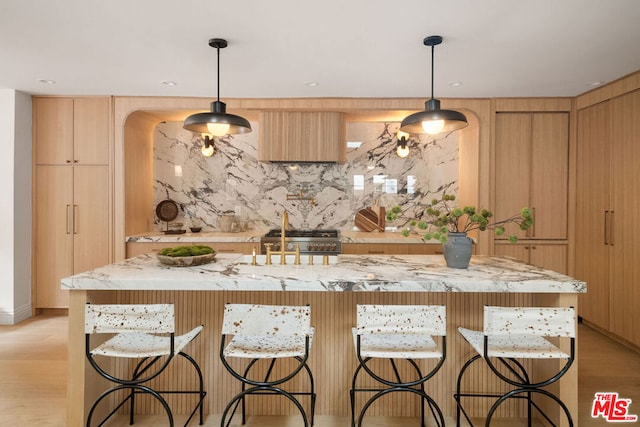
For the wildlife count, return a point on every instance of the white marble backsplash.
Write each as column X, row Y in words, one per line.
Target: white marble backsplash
column 233, row 179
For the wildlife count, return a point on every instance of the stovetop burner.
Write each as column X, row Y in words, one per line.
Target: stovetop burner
column 303, row 233
column 308, row 241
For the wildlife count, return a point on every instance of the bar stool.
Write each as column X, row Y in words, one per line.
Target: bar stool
column 398, row 332
column 509, row 336
column 144, row 332
column 268, row 333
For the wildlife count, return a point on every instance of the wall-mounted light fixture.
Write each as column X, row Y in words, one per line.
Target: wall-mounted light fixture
column 433, row 120
column 403, row 140
column 207, row 149
column 217, row 122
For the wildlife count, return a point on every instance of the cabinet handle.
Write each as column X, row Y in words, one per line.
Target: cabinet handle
column 68, row 219
column 76, row 220
column 606, row 227
column 226, row 250
column 612, row 218
column 376, row 252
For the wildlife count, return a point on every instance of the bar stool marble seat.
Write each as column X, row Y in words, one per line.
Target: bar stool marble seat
column 267, row 333
column 398, row 332
column 145, row 333
column 510, row 336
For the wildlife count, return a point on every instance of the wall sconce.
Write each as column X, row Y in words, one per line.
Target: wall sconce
column 403, row 148
column 207, row 148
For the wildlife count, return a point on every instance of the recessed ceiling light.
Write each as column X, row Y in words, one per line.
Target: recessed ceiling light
column 311, row 84
column 47, row 81
column 169, row 83
column 595, row 83
column 455, row 84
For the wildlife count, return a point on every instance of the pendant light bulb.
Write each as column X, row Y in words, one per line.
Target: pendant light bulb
column 207, row 151
column 218, row 129
column 402, row 151
column 433, row 127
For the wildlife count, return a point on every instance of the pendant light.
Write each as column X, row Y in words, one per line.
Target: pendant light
column 217, row 122
column 433, row 120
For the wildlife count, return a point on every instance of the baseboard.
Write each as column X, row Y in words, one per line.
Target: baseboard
column 614, row 337
column 16, row 316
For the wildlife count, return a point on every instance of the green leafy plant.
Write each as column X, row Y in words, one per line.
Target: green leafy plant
column 181, row 251
column 440, row 218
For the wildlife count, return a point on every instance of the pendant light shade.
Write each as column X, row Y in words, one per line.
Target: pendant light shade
column 217, row 122
column 433, row 120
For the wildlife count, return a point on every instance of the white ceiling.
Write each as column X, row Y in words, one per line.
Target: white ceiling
column 351, row 48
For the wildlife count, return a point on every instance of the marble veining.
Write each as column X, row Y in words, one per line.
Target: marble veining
column 357, row 273
column 233, row 178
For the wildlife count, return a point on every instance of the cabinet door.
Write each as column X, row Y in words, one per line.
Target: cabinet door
column 532, row 158
column 592, row 204
column 549, row 175
column 53, row 131
column 513, row 166
column 53, row 245
column 375, row 248
column 550, row 256
column 91, row 131
column 139, row 248
column 91, row 228
column 512, row 250
column 624, row 225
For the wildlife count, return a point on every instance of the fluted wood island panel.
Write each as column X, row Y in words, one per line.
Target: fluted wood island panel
column 333, row 292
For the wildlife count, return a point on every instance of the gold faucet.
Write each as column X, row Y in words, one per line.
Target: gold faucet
column 283, row 243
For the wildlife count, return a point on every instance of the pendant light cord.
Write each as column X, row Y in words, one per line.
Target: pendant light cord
column 218, row 49
column 433, row 48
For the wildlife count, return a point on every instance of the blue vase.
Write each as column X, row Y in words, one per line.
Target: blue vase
column 457, row 250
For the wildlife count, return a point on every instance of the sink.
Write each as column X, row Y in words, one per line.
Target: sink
column 290, row 259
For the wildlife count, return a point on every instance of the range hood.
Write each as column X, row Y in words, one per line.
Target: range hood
column 302, row 137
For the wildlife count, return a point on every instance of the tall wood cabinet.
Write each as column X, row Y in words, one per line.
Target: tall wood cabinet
column 72, row 192
column 532, row 170
column 607, row 226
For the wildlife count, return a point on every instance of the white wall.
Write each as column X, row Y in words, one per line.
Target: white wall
column 15, row 206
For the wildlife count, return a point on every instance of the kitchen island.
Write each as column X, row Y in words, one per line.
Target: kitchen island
column 332, row 291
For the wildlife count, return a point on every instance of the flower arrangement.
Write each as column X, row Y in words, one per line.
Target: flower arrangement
column 440, row 218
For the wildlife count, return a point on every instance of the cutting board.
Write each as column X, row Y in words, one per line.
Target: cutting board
column 370, row 219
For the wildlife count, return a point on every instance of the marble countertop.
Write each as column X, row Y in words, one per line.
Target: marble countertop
column 203, row 236
column 346, row 236
column 386, row 273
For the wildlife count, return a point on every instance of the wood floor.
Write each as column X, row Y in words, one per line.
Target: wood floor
column 33, row 375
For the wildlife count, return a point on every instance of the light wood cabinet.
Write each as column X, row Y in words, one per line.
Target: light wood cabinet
column 592, row 211
column 71, row 131
column 531, row 164
column 302, row 136
column 72, row 187
column 391, row 249
column 550, row 256
column 72, row 231
column 607, row 226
